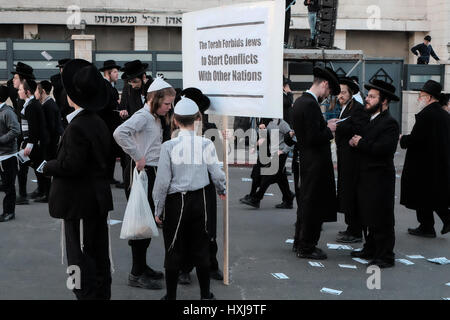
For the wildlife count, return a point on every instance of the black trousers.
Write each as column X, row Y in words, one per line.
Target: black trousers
column 380, row 243
column 307, row 232
column 353, row 222
column 279, row 178
column 22, row 177
column 185, row 232
column 426, row 217
column 8, row 174
column 139, row 247
column 92, row 259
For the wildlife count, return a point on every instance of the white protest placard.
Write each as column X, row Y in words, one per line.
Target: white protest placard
column 234, row 54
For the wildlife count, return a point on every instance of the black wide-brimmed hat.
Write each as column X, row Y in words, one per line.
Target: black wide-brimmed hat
column 349, row 83
column 329, row 75
column 4, row 93
column 62, row 62
column 108, row 65
column 24, row 70
column 432, row 88
column 384, row 87
column 198, row 97
column 133, row 69
column 85, row 85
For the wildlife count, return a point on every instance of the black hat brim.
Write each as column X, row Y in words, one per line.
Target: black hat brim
column 353, row 86
column 126, row 76
column 25, row 75
column 109, row 68
column 389, row 94
column 331, row 78
column 198, row 97
column 95, row 103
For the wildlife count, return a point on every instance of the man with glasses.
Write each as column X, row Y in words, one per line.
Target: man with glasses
column 375, row 187
column 425, row 183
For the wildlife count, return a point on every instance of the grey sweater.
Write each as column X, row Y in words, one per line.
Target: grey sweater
column 283, row 128
column 9, row 130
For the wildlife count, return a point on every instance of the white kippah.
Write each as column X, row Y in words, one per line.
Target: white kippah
column 185, row 107
column 158, row 84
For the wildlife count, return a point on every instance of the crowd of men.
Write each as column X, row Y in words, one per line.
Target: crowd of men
column 72, row 143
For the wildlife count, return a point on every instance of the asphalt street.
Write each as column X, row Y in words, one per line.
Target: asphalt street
column 30, row 255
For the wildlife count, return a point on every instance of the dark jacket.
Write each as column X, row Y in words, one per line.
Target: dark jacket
column 317, row 188
column 376, row 175
column 37, row 126
column 109, row 114
column 54, row 126
column 61, row 97
column 347, row 160
column 9, row 130
column 313, row 6
column 80, row 186
column 131, row 100
column 288, row 100
column 425, row 52
column 425, row 182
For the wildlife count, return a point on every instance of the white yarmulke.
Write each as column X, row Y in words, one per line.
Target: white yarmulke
column 158, row 84
column 186, row 107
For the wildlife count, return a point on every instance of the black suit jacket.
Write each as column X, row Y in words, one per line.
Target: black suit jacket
column 80, row 187
column 131, row 99
column 376, row 174
column 37, row 125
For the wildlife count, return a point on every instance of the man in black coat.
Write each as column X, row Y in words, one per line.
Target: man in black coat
column 21, row 73
column 80, row 191
column 110, row 114
column 425, row 183
column 375, row 188
column 288, row 100
column 60, row 93
column 35, row 135
column 317, row 194
column 352, row 118
column 52, row 117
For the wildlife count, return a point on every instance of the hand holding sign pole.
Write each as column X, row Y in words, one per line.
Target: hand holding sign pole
column 234, row 55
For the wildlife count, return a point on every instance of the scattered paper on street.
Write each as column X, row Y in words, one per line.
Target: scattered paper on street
column 333, row 246
column 405, row 261
column 246, row 180
column 331, row 291
column 441, row 260
column 416, row 256
column 113, row 222
column 348, row 266
column 280, row 276
column 290, row 241
column 361, row 260
column 316, row 264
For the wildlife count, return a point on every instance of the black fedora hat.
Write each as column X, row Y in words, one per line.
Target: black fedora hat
column 24, row 70
column 4, row 93
column 329, row 75
column 198, row 97
column 432, row 88
column 108, row 65
column 133, row 69
column 349, row 83
column 384, row 87
column 84, row 85
column 62, row 62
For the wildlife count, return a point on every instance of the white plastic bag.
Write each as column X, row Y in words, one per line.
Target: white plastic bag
column 138, row 222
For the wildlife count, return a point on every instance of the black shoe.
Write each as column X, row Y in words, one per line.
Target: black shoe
column 316, row 254
column 143, row 281
column 216, row 274
column 113, row 181
column 7, row 216
column 382, row 264
column 246, row 197
column 363, row 254
column 210, row 297
column 284, row 205
column 294, row 247
column 22, row 200
column 348, row 238
column 251, row 202
column 35, row 194
column 342, row 233
column 184, row 278
column 421, row 233
column 446, row 228
column 164, row 297
column 41, row 199
column 120, row 185
column 153, row 274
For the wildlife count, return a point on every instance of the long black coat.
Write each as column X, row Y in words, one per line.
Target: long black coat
column 375, row 189
column 60, row 95
column 425, row 180
column 317, row 185
column 54, row 126
column 347, row 159
column 131, row 99
column 80, row 184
